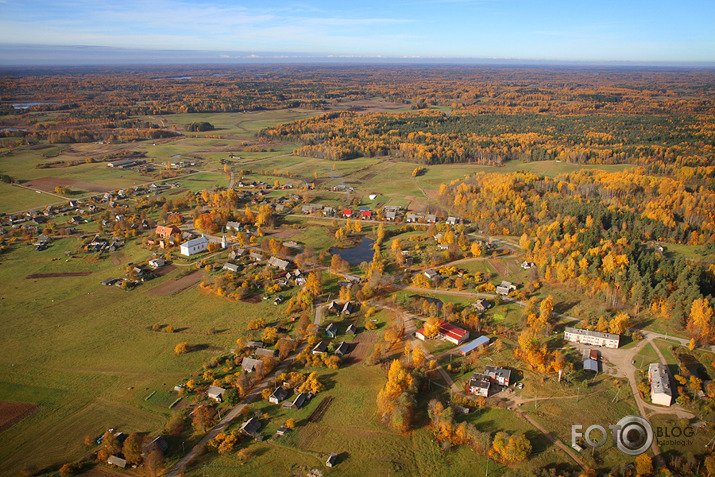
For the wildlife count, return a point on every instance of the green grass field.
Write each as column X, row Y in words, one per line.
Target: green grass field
column 86, row 353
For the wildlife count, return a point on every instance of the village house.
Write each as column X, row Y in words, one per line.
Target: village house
column 279, row 394
column 452, row 220
column 335, row 308
column 256, row 257
column 431, row 274
column 332, row 330
column 233, row 227
column 249, row 365
column 594, row 338
column 278, row 263
column 237, row 252
column 216, row 393
column 332, row 458
column 527, row 265
column 319, row 348
column 349, row 308
column 297, row 402
column 156, row 263
column 251, row 427
column 342, row 349
column 505, row 288
column 265, row 352
column 117, row 461
column 482, row 305
column 231, row 267
column 352, row 330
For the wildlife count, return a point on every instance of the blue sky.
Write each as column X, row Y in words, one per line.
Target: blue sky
column 596, row 31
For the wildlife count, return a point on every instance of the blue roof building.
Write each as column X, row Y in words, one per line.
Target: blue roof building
column 472, row 345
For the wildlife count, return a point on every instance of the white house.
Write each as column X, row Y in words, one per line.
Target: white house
column 192, row 247
column 216, row 393
column 660, row 390
column 156, row 263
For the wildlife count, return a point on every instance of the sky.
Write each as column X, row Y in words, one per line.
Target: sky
column 646, row 32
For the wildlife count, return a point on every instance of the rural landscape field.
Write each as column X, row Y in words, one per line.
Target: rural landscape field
column 275, row 270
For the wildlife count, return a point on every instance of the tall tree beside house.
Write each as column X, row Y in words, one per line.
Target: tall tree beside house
column 132, row 448
column 546, row 308
column 619, row 324
column 431, row 327
column 313, row 284
column 154, row 463
column 203, row 418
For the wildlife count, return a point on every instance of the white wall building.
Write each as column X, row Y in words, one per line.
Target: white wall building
column 660, row 390
column 594, row 338
column 192, row 247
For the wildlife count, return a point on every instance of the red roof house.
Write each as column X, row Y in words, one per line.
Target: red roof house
column 167, row 231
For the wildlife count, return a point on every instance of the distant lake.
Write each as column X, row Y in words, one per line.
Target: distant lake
column 173, row 78
column 12, row 129
column 29, row 105
column 357, row 255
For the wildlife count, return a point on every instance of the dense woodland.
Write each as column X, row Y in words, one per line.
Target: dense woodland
column 92, row 104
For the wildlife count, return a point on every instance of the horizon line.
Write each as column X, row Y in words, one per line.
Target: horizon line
column 13, row 56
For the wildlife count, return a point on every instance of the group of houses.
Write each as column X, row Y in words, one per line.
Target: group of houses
column 118, row 460
column 391, row 213
column 338, row 308
column 480, row 384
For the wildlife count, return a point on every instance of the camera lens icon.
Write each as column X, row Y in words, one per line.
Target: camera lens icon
column 634, row 435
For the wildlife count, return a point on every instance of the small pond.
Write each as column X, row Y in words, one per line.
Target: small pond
column 356, row 255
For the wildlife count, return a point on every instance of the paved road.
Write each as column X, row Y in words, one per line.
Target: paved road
column 180, row 466
column 319, row 309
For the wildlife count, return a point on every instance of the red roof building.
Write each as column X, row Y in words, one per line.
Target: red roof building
column 348, row 212
column 366, row 214
column 447, row 331
column 167, row 231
